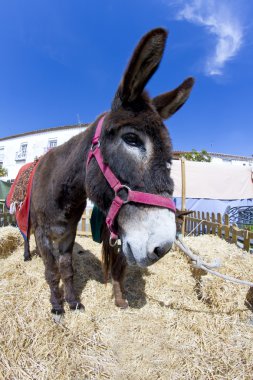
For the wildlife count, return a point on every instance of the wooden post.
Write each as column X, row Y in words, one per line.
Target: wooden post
column 87, row 226
column 246, row 240
column 219, row 220
column 235, row 229
column 250, row 236
column 203, row 223
column 208, row 223
column 83, row 222
column 193, row 223
column 199, row 227
column 213, row 225
column 226, row 226
column 183, row 191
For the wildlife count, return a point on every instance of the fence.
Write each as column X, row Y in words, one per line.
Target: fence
column 197, row 223
column 7, row 219
column 83, row 227
column 205, row 223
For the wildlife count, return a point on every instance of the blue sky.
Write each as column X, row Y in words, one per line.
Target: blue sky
column 61, row 62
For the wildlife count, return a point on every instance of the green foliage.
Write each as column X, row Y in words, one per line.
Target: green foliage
column 3, row 172
column 247, row 227
column 202, row 156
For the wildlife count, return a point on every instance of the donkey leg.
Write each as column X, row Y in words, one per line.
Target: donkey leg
column 27, row 255
column 52, row 274
column 118, row 273
column 66, row 272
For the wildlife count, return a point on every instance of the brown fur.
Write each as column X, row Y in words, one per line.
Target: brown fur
column 61, row 184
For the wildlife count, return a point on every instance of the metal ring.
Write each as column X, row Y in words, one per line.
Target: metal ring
column 123, row 187
column 113, row 242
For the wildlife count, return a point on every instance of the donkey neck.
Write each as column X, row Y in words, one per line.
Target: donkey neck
column 70, row 170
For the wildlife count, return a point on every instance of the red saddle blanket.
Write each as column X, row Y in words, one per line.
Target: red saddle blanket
column 19, row 197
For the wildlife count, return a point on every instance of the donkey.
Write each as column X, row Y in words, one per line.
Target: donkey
column 135, row 149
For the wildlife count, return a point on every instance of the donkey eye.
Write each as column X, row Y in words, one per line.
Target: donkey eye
column 133, row 140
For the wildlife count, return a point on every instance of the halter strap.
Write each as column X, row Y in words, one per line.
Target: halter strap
column 116, row 185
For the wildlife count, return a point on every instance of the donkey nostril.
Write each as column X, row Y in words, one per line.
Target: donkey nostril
column 162, row 250
column 157, row 251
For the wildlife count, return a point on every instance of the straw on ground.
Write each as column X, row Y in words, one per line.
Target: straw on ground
column 181, row 324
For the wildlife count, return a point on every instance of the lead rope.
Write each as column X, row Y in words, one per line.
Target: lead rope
column 200, row 264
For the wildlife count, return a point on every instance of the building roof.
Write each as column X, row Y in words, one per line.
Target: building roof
column 177, row 153
column 81, row 125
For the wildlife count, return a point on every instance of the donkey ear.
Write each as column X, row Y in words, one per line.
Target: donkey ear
column 144, row 62
column 170, row 102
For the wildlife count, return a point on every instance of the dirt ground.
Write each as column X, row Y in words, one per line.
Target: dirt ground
column 176, row 327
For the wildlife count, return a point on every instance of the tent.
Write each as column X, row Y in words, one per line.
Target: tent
column 212, row 187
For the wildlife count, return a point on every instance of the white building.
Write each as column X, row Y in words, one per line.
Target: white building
column 232, row 159
column 222, row 158
column 19, row 149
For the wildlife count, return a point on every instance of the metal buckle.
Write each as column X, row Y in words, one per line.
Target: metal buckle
column 120, row 188
column 95, row 145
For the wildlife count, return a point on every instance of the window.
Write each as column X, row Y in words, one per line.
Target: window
column 1, row 154
column 21, row 154
column 228, row 160
column 52, row 143
column 23, row 149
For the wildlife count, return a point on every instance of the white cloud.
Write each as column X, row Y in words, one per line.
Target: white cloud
column 220, row 20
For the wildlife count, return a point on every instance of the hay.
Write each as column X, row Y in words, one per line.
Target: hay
column 220, row 295
column 170, row 331
column 10, row 239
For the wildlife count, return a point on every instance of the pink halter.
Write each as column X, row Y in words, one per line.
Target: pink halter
column 132, row 196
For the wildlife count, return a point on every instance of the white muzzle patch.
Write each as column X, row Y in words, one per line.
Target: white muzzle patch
column 147, row 233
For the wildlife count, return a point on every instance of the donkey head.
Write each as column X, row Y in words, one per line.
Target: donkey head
column 136, row 145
